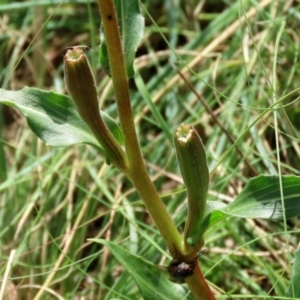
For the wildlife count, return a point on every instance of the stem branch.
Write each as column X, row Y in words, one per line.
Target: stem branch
column 136, row 172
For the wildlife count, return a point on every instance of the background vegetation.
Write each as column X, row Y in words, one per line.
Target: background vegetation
column 53, row 199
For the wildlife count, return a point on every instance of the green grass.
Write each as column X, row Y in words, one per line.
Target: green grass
column 52, row 199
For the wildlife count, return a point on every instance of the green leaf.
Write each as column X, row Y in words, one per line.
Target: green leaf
column 113, row 127
column 261, row 198
column 294, row 288
column 150, row 279
column 53, row 117
column 213, row 215
column 131, row 24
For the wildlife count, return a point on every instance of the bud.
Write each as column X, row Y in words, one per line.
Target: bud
column 192, row 161
column 81, row 86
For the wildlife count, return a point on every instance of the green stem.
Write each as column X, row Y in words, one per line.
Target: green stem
column 136, row 172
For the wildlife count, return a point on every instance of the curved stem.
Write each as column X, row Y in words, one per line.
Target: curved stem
column 136, row 171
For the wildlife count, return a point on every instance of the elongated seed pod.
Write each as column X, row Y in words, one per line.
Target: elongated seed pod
column 192, row 161
column 81, row 86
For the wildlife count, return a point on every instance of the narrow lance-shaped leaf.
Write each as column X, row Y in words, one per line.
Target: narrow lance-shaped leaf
column 53, row 117
column 151, row 280
column 294, row 287
column 192, row 161
column 131, row 25
column 260, row 198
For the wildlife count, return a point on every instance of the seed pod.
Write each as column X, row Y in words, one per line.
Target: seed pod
column 192, row 161
column 81, row 86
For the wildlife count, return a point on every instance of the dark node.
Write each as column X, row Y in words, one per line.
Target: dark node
column 180, row 270
column 109, row 17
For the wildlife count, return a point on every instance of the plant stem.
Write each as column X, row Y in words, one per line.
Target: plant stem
column 136, row 172
column 199, row 286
